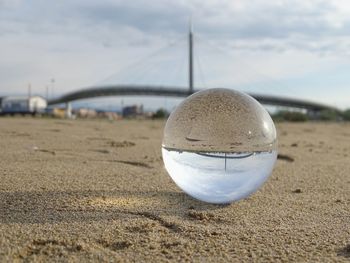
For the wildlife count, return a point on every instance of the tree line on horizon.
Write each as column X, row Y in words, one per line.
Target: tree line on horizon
column 285, row 115
column 325, row 115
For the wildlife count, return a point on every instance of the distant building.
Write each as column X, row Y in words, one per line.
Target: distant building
column 110, row 115
column 57, row 112
column 23, row 105
column 133, row 111
column 1, row 104
column 85, row 113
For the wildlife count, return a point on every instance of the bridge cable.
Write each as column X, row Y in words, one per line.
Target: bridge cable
column 201, row 75
column 166, row 65
column 238, row 77
column 263, row 76
column 138, row 63
column 153, row 67
column 179, row 72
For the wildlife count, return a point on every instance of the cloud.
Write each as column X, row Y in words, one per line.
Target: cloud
column 226, row 20
column 5, row 4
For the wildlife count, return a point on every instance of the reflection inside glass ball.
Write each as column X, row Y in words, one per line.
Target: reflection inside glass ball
column 219, row 145
column 220, row 177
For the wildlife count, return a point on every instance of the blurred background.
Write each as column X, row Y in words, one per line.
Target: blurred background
column 290, row 49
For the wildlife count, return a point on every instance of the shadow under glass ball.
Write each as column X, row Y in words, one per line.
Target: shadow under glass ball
column 219, row 145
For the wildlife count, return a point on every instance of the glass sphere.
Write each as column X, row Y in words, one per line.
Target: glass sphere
column 219, row 145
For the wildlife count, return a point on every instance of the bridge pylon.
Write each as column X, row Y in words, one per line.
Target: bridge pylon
column 190, row 59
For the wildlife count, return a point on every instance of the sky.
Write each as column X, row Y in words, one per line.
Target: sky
column 294, row 48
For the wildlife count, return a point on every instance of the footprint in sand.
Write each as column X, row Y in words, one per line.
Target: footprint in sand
column 345, row 251
column 285, row 157
column 100, row 151
column 44, row 247
column 114, row 246
column 122, row 144
column 139, row 164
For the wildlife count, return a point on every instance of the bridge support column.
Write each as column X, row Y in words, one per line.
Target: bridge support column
column 313, row 115
column 68, row 110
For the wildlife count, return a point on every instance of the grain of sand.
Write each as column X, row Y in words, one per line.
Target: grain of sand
column 85, row 191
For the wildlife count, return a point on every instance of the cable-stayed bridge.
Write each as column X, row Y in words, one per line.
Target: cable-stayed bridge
column 136, row 90
column 104, row 90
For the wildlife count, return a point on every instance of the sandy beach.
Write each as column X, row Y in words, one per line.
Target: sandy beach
column 94, row 190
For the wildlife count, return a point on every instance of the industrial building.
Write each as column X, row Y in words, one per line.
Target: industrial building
column 23, row 105
column 133, row 111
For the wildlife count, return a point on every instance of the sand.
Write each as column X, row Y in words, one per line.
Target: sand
column 93, row 190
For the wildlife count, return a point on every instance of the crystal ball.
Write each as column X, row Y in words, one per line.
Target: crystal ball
column 219, row 145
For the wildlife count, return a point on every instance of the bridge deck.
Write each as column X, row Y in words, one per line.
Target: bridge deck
column 132, row 90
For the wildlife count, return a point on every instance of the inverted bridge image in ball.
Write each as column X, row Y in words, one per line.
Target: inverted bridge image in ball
column 219, row 145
